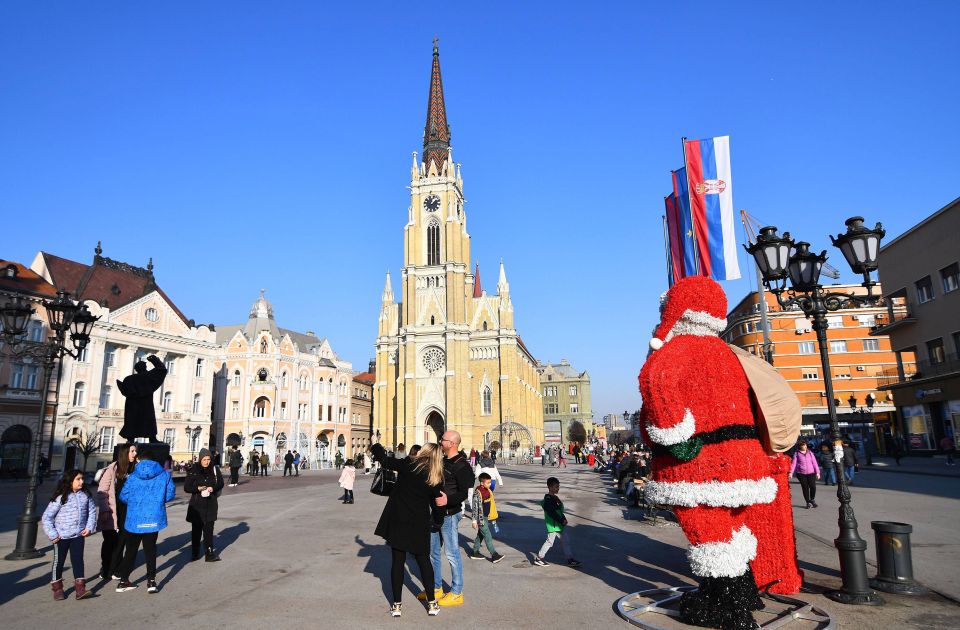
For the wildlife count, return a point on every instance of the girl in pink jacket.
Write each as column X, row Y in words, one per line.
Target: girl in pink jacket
column 347, row 478
column 807, row 471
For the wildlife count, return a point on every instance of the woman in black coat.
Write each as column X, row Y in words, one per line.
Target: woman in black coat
column 204, row 483
column 409, row 515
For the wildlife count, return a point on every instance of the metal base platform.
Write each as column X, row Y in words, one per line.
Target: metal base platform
column 655, row 609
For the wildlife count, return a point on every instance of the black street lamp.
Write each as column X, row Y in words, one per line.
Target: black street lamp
column 66, row 317
column 772, row 254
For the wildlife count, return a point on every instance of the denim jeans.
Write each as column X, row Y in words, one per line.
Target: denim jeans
column 830, row 475
column 849, row 472
column 451, row 546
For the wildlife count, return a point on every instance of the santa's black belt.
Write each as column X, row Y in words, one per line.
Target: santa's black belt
column 688, row 449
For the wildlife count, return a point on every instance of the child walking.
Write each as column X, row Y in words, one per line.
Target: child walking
column 70, row 517
column 484, row 510
column 556, row 524
column 347, row 478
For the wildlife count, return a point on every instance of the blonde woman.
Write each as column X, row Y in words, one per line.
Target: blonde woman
column 409, row 515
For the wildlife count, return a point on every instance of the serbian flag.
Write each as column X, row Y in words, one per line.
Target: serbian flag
column 711, row 206
column 688, row 245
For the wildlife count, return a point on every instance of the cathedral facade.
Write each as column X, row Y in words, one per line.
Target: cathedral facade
column 448, row 355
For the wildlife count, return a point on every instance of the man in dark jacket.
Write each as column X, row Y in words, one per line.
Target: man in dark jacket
column 457, row 481
column 235, row 461
column 288, row 464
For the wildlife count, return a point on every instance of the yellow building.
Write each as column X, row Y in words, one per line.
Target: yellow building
column 448, row 355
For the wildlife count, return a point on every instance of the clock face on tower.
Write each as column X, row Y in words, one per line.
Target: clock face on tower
column 431, row 203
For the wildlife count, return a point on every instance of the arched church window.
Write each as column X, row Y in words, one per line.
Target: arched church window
column 487, row 401
column 236, row 378
column 433, row 242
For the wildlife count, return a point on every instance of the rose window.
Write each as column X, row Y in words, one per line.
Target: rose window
column 433, row 359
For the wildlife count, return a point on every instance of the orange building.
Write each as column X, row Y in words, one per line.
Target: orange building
column 857, row 359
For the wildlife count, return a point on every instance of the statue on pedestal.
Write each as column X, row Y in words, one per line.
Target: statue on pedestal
column 139, row 417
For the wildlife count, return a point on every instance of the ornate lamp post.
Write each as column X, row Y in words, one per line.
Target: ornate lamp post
column 860, row 246
column 67, row 319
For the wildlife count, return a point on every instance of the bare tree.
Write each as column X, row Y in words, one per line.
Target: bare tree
column 87, row 445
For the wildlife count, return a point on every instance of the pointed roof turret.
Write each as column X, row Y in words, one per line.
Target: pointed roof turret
column 261, row 318
column 502, row 282
column 477, row 289
column 436, row 133
column 387, row 291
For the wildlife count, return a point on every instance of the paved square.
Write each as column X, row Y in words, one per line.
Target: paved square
column 292, row 554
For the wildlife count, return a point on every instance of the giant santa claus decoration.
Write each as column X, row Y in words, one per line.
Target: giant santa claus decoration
column 708, row 464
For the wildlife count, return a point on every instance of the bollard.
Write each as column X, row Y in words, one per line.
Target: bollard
column 894, row 561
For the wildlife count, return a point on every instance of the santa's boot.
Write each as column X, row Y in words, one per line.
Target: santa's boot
column 58, row 590
column 80, row 588
column 723, row 602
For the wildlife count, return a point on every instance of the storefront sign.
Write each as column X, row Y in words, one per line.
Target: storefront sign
column 916, row 441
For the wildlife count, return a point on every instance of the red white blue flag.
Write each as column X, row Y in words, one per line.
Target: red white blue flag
column 711, row 206
column 674, row 240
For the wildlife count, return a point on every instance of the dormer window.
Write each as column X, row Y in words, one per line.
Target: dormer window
column 10, row 271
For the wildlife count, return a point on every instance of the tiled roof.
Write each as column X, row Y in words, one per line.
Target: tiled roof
column 25, row 281
column 436, row 133
column 367, row 378
column 108, row 282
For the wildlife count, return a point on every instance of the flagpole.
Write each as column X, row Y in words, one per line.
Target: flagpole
column 666, row 248
column 693, row 225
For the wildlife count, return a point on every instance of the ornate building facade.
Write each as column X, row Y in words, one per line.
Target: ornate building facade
column 137, row 319
column 567, row 411
column 278, row 389
column 448, row 355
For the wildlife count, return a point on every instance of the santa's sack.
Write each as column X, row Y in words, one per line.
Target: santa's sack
column 780, row 414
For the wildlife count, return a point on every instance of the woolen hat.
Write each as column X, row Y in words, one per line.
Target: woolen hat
column 204, row 452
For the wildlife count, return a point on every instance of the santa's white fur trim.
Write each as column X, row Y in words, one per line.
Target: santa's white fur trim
column 697, row 323
column 656, row 343
column 724, row 559
column 677, row 433
column 713, row 493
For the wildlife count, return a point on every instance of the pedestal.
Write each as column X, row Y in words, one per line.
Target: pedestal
column 156, row 451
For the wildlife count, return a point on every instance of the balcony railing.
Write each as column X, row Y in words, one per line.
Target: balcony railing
column 897, row 314
column 919, row 370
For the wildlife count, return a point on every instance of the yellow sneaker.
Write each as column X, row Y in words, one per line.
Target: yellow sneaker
column 422, row 595
column 451, row 599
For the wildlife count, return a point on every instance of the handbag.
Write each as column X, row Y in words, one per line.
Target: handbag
column 383, row 481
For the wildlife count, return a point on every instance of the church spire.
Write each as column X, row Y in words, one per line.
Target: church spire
column 436, row 133
column 477, row 289
column 387, row 297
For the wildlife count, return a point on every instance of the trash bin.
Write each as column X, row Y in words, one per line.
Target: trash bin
column 894, row 560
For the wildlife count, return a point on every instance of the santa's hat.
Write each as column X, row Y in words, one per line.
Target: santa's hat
column 695, row 305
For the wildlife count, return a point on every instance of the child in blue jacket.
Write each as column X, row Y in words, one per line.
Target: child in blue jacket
column 70, row 517
column 146, row 492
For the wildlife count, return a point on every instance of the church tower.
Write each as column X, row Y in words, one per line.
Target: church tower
column 427, row 342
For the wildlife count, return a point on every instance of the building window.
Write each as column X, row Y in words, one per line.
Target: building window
column 283, row 409
column 151, row 314
column 235, row 409
column 838, row 345
column 871, row 345
column 260, row 408
column 842, row 375
column 16, row 376
column 79, row 393
column 302, row 411
column 924, row 290
column 36, row 331
column 167, row 402
column 935, row 351
column 574, row 407
column 573, row 390
column 869, row 321
column 31, row 380
column 82, row 355
column 170, row 364
column 811, row 374
column 807, row 347
column 106, row 439
column 433, row 242
column 283, row 379
column 194, row 440
column 105, row 395
column 110, row 357
column 956, row 343
column 950, row 277
column 198, row 372
column 170, row 437
column 236, row 378
column 835, row 321
column 196, row 403
column 487, row 401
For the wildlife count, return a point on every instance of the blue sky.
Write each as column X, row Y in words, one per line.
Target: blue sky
column 250, row 145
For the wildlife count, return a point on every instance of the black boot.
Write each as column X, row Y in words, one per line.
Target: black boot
column 722, row 603
column 212, row 557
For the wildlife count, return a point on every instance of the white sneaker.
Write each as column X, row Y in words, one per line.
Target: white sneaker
column 395, row 610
